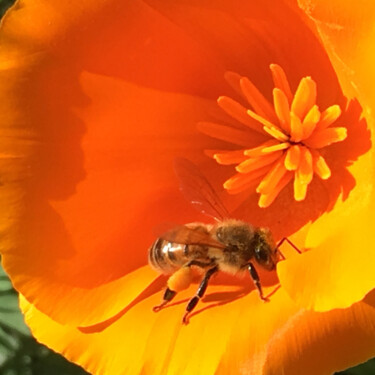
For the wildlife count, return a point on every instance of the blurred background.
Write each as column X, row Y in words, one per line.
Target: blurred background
column 21, row 354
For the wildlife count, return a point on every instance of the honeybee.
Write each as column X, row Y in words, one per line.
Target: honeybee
column 230, row 246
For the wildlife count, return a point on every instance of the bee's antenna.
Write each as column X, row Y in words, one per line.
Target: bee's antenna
column 290, row 243
column 281, row 254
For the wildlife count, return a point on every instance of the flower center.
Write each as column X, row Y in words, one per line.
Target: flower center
column 296, row 130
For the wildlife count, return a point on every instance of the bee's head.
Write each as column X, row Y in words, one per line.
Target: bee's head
column 264, row 249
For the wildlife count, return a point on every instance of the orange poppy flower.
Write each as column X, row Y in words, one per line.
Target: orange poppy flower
column 97, row 100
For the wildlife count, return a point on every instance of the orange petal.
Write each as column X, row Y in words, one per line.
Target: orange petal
column 309, row 336
column 260, row 349
column 345, row 274
column 60, row 200
column 132, row 342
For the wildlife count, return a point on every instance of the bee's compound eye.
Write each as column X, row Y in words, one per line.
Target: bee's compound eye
column 261, row 255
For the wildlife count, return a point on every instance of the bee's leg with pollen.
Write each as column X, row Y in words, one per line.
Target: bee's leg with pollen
column 254, row 275
column 200, row 293
column 179, row 281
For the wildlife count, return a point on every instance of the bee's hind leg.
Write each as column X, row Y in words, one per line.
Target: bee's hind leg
column 179, row 281
column 168, row 296
column 200, row 293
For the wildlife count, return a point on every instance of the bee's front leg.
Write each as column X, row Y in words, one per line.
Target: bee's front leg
column 254, row 275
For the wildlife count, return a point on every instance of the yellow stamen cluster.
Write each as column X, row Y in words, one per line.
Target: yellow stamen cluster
column 296, row 128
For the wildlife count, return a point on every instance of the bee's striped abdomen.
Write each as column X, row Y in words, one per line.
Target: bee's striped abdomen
column 166, row 256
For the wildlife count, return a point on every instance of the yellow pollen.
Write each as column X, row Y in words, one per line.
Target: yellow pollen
column 294, row 131
column 276, row 133
column 278, row 147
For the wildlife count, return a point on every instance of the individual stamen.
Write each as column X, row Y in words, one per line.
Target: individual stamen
column 226, row 133
column 230, row 157
column 272, row 178
column 250, row 165
column 266, row 200
column 240, row 180
column 278, row 147
column 260, row 119
column 282, row 109
column 234, row 81
column 295, row 127
column 304, row 98
column 239, row 112
column 325, row 137
column 259, row 103
column 280, row 81
column 305, row 167
column 310, row 121
column 320, row 166
column 296, row 130
column 329, row 116
column 276, row 133
column 258, row 151
column 292, row 158
column 300, row 188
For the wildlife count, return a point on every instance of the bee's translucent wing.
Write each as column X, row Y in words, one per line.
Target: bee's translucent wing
column 196, row 189
column 183, row 234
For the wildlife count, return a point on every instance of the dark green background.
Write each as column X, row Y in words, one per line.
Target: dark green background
column 20, row 354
